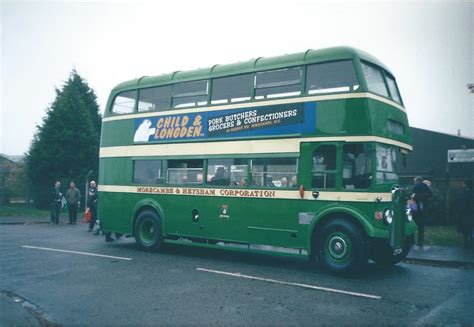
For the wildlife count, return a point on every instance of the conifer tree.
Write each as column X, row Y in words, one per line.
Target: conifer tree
column 66, row 145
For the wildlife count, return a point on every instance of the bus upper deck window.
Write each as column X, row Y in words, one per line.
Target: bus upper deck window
column 232, row 89
column 392, row 86
column 374, row 79
column 124, row 102
column 278, row 83
column 190, row 94
column 156, row 98
column 331, row 77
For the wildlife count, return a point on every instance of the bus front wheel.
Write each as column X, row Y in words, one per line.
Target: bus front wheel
column 148, row 231
column 341, row 247
column 382, row 253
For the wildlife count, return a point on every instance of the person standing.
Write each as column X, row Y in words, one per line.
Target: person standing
column 421, row 194
column 73, row 196
column 465, row 211
column 56, row 197
column 92, row 204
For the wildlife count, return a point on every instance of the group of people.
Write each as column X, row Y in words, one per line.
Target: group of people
column 463, row 209
column 72, row 199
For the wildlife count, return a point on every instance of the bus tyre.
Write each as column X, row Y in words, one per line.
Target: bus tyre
column 382, row 254
column 341, row 247
column 148, row 231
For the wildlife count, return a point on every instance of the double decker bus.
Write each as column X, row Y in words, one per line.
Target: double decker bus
column 295, row 155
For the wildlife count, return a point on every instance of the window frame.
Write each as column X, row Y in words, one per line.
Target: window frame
column 265, row 97
column 229, row 101
column 373, row 164
column 194, row 94
column 250, row 170
column 336, row 172
column 164, row 168
column 382, row 72
column 208, row 184
column 358, row 75
column 204, row 172
column 111, row 110
column 154, row 87
column 386, row 76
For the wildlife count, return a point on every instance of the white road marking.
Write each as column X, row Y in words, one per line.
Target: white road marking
column 76, row 252
column 319, row 288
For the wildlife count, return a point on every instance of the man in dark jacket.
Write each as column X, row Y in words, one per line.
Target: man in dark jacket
column 73, row 196
column 465, row 211
column 421, row 194
column 92, row 204
column 56, row 197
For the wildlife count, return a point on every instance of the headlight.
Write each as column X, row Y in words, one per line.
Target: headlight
column 388, row 216
column 409, row 214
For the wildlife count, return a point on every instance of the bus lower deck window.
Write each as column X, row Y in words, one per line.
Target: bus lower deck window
column 147, row 172
column 227, row 172
column 356, row 166
column 324, row 167
column 185, row 172
column 274, row 172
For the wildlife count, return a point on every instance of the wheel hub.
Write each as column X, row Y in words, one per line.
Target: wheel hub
column 337, row 247
column 147, row 231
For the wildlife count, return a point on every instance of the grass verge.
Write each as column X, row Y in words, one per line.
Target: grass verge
column 22, row 211
column 443, row 236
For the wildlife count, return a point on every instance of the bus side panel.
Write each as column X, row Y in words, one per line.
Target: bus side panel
column 115, row 211
column 255, row 220
column 117, row 132
column 115, row 208
column 383, row 115
column 342, row 117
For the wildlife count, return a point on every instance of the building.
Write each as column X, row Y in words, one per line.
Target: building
column 8, row 165
column 429, row 158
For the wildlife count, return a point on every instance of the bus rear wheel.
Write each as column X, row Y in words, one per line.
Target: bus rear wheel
column 341, row 247
column 148, row 231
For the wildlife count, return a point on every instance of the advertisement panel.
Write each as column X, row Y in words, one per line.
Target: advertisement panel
column 285, row 119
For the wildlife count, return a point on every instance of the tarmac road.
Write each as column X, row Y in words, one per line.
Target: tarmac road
column 184, row 285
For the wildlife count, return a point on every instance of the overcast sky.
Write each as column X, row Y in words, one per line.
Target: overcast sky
column 429, row 46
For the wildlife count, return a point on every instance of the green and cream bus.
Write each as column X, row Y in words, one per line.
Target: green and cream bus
column 295, row 155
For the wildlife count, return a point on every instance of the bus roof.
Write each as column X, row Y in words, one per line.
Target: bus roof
column 308, row 57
